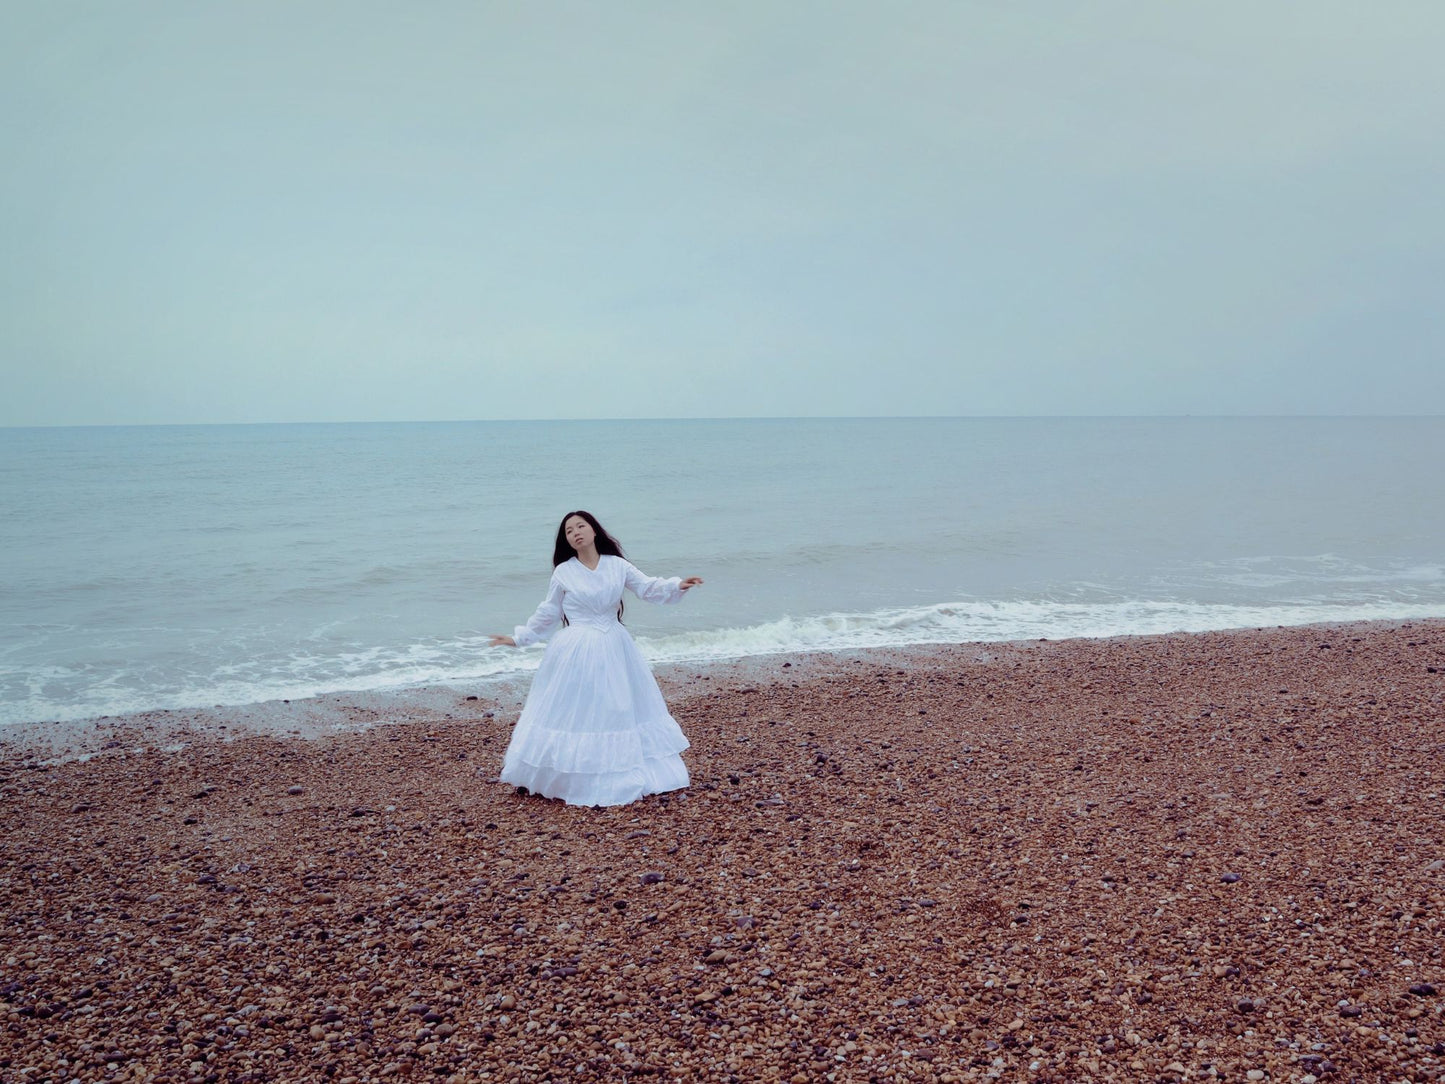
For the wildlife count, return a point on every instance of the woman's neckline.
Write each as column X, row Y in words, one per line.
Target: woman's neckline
column 584, row 565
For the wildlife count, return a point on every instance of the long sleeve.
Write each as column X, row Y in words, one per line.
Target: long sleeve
column 545, row 620
column 653, row 588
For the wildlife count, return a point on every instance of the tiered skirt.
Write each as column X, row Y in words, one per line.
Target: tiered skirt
column 595, row 729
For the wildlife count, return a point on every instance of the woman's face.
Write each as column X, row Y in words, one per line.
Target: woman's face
column 580, row 534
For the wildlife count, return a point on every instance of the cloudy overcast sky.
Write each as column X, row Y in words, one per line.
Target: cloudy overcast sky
column 365, row 211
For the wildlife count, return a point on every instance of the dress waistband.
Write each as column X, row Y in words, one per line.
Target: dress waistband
column 602, row 624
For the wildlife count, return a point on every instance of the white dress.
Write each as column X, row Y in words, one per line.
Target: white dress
column 595, row 729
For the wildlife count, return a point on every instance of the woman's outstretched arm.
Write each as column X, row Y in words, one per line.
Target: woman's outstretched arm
column 658, row 588
column 540, row 625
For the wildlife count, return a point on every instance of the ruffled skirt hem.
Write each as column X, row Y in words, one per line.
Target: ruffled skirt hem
column 653, row 775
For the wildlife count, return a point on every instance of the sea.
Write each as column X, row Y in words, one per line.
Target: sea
column 173, row 567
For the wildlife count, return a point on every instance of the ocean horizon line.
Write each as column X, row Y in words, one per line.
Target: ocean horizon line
column 710, row 418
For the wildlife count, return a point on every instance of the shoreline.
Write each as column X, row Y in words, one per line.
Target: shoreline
column 1201, row 856
column 343, row 712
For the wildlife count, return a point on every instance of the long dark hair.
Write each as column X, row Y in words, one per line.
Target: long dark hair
column 604, row 542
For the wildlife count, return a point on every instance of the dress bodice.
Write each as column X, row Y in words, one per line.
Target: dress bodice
column 591, row 596
column 588, row 597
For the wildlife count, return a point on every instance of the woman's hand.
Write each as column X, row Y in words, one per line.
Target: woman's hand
column 689, row 583
column 502, row 641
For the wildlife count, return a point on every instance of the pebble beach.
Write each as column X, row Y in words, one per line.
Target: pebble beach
column 1212, row 856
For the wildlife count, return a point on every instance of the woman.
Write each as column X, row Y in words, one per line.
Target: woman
column 594, row 730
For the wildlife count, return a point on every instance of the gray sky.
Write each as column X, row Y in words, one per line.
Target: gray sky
column 352, row 211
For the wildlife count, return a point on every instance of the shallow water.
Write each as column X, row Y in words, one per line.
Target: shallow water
column 159, row 567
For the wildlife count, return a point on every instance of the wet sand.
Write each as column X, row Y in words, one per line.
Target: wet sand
column 1191, row 857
